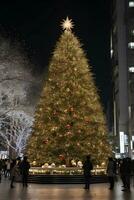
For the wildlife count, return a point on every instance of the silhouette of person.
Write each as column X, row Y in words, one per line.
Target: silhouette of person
column 8, row 167
column 87, row 167
column 126, row 173
column 24, row 168
column 14, row 172
column 111, row 172
column 122, row 166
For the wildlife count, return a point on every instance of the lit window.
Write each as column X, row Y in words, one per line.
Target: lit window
column 131, row 3
column 111, row 52
column 131, row 45
column 129, row 111
column 122, row 142
column 132, row 32
column 131, row 69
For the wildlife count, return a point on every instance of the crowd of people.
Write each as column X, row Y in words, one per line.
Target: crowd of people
column 14, row 169
column 123, row 168
column 116, row 168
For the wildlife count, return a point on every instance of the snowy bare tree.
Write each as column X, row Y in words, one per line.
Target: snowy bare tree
column 15, row 128
column 17, row 82
column 19, row 91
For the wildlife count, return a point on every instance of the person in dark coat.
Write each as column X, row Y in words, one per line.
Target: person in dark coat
column 122, row 175
column 87, row 167
column 132, row 171
column 126, row 172
column 24, row 169
column 111, row 172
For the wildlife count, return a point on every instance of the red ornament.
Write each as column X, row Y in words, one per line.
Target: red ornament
column 68, row 126
column 45, row 141
column 87, row 120
column 61, row 157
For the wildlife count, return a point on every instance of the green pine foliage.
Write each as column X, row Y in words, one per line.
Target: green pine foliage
column 69, row 119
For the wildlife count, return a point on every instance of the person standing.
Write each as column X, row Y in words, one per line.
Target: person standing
column 24, row 168
column 127, row 169
column 122, row 167
column 14, row 172
column 111, row 172
column 8, row 165
column 132, row 172
column 87, row 167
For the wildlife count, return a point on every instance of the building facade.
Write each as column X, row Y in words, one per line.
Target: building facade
column 122, row 59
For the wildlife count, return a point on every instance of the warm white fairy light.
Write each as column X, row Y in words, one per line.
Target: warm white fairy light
column 67, row 24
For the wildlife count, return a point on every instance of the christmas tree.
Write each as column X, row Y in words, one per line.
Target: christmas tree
column 69, row 119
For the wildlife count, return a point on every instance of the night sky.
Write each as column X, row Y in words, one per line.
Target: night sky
column 36, row 25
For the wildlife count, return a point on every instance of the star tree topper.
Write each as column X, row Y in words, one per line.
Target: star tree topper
column 67, row 24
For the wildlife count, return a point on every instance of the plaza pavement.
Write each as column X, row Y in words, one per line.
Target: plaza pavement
column 63, row 192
